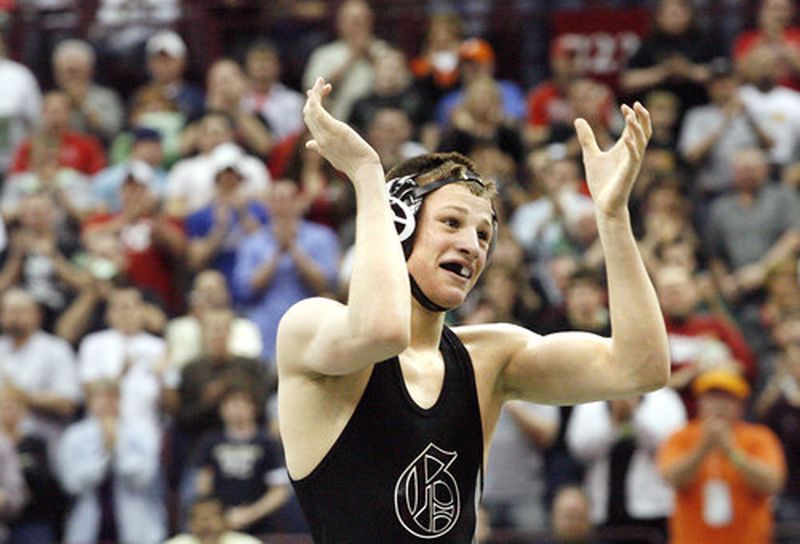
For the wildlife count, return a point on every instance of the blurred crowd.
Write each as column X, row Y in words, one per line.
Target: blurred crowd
column 153, row 235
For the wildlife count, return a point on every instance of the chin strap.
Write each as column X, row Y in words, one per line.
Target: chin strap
column 423, row 299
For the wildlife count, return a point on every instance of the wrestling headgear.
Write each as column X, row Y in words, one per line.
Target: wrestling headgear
column 405, row 199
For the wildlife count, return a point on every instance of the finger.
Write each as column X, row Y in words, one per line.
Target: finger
column 634, row 132
column 644, row 119
column 313, row 146
column 586, row 136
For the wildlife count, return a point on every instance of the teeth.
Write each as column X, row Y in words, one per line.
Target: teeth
column 464, row 272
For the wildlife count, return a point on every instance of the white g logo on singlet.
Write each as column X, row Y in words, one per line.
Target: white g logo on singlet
column 426, row 498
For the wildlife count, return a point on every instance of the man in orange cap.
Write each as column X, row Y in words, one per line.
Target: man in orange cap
column 724, row 469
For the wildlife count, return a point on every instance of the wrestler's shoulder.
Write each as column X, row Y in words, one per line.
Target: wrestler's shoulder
column 496, row 338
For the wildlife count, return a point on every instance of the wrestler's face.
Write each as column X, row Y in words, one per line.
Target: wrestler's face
column 453, row 236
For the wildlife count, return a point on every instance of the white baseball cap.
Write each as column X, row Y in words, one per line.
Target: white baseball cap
column 168, row 43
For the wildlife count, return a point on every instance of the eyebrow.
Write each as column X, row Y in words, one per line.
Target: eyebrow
column 460, row 208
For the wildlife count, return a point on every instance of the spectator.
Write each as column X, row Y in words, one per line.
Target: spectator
column 778, row 407
column 775, row 108
column 143, row 162
column 167, row 63
column 346, row 63
column 267, row 96
column 184, row 336
column 389, row 132
column 39, row 259
column 20, row 108
column 96, row 110
column 724, row 470
column 190, row 183
column 243, row 466
column 283, row 262
column 110, row 465
column 674, row 56
column 477, row 60
column 126, row 354
column 436, row 67
column 216, row 231
column 514, row 490
column 207, row 525
column 40, row 520
column 617, row 441
column 153, row 242
column 776, row 30
column 12, row 485
column 712, row 133
column 75, row 150
column 571, row 516
column 37, row 367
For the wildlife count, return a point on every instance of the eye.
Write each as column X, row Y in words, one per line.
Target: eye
column 484, row 235
column 452, row 222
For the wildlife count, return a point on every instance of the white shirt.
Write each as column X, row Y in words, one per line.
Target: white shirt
column 20, row 107
column 282, row 107
column 191, row 181
column 591, row 434
column 530, row 219
column 103, row 355
column 778, row 113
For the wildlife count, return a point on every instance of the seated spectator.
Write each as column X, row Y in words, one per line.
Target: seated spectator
column 39, row 259
column 283, row 262
column 143, row 162
column 782, row 293
column 75, row 150
column 267, row 96
column 775, row 108
column 110, row 465
column 167, row 63
column 41, row 518
column 393, row 88
column 153, row 242
column 207, row 525
column 724, row 470
column 436, row 67
column 184, row 336
column 778, row 407
column 699, row 340
column 126, row 354
column 476, row 60
column 37, row 367
column 21, row 105
column 96, row 110
column 617, row 441
column 243, row 466
column 776, row 29
column 346, row 63
column 190, row 183
column 216, row 231
column 12, row 485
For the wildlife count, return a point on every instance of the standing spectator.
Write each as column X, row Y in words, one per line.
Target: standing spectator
column 190, row 183
column 777, row 30
column 347, row 62
column 75, row 150
column 167, row 63
column 216, row 231
column 126, row 354
column 267, row 96
column 286, row 261
column 617, row 442
column 243, row 466
column 514, row 490
column 37, row 367
column 184, row 336
column 724, row 470
column 40, row 519
column 674, row 56
column 207, row 525
column 20, row 105
column 436, row 67
column 110, row 465
column 12, row 486
column 96, row 110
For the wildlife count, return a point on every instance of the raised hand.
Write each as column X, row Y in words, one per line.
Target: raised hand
column 611, row 174
column 333, row 139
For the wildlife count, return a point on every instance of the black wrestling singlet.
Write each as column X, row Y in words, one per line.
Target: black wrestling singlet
column 399, row 473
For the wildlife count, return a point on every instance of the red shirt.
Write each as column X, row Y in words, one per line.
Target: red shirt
column 747, row 41
column 78, row 151
column 547, row 105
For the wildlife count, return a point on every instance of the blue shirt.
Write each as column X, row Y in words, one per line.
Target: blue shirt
column 287, row 286
column 514, row 105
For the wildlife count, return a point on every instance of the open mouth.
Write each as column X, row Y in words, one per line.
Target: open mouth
column 457, row 269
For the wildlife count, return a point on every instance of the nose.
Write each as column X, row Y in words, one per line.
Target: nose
column 468, row 243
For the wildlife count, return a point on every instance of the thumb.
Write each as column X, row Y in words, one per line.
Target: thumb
column 586, row 136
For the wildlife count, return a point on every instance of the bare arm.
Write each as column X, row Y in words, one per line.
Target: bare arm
column 578, row 367
column 324, row 336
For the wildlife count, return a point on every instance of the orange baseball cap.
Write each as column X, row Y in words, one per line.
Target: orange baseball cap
column 477, row 50
column 725, row 380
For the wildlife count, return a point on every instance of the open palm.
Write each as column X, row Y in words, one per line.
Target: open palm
column 611, row 174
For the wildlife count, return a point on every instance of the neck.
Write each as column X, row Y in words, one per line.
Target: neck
column 244, row 429
column 262, row 86
column 21, row 339
column 426, row 327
